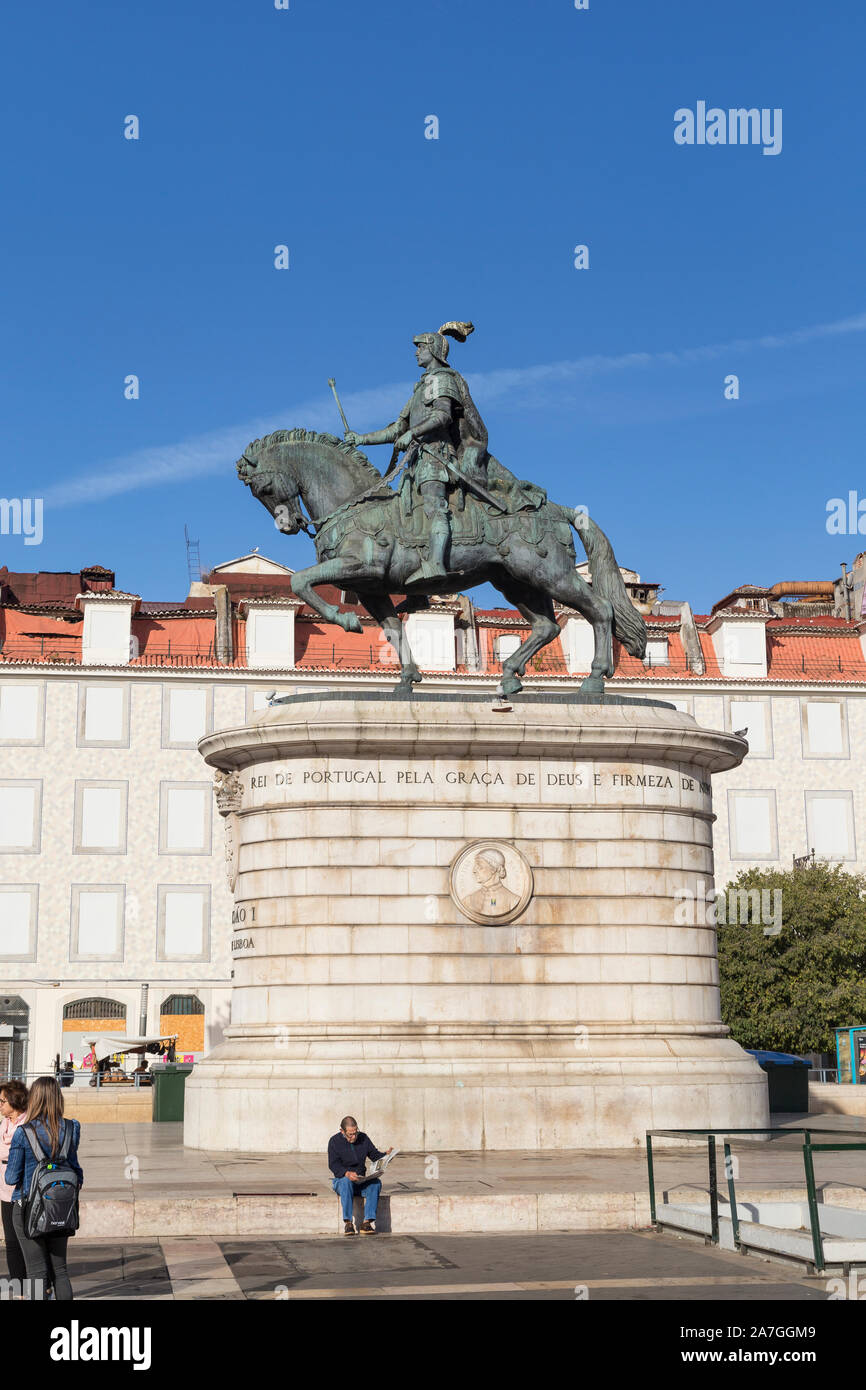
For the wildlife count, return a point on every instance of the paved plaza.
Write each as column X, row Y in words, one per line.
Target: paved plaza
column 141, row 1182
column 606, row 1266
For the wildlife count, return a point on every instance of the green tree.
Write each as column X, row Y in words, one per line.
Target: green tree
column 787, row 992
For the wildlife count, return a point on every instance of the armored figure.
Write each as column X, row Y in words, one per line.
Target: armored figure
column 444, row 441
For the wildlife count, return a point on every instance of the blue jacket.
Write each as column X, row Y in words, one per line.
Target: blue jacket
column 22, row 1164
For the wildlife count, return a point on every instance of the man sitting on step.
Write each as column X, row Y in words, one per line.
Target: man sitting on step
column 348, row 1152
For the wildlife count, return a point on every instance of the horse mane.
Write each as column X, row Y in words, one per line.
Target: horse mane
column 302, row 436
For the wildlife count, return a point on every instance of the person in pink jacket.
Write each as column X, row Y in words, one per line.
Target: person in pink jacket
column 13, row 1104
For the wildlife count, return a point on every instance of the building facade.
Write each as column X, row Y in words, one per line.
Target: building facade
column 115, row 914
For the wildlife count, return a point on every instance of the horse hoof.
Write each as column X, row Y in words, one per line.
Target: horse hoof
column 411, row 676
column 593, row 685
column 509, row 685
column 350, row 622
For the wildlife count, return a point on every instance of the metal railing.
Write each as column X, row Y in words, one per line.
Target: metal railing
column 81, row 1078
column 712, row 1136
column 823, row 1073
column 40, row 648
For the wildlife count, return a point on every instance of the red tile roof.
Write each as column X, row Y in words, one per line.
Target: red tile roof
column 818, row 620
column 181, row 632
column 791, row 656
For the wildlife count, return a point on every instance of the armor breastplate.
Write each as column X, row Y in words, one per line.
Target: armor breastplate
column 427, row 391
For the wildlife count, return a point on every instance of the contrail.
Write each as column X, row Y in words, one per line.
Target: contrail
column 212, row 452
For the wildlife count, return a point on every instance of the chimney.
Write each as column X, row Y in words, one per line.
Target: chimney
column 223, row 624
column 846, row 590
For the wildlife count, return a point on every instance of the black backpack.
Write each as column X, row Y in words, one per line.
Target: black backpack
column 51, row 1206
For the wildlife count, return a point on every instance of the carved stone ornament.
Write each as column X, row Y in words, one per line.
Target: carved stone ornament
column 228, row 790
column 232, row 839
column 491, row 882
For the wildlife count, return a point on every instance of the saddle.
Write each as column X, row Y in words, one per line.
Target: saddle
column 522, row 508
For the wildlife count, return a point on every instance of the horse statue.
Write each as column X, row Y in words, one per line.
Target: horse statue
column 367, row 542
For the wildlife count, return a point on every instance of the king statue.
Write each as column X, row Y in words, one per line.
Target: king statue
column 459, row 518
column 444, row 441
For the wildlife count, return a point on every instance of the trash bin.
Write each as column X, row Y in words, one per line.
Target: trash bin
column 169, row 1081
column 787, row 1080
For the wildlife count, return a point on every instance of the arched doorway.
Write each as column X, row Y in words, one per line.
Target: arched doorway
column 184, row 1014
column 14, row 1035
column 85, row 1017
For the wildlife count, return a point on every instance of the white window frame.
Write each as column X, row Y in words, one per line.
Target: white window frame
column 517, row 637
column 204, row 891
column 167, row 691
column 809, row 797
column 33, row 890
column 164, row 789
column 82, row 740
column 118, row 651
column 88, row 784
column 39, row 740
column 431, row 636
column 765, row 706
column 282, row 659
column 578, row 644
column 654, row 641
column 35, row 846
column 748, row 856
column 119, row 891
column 840, row 700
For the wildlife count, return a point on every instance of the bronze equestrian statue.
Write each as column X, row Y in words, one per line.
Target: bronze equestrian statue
column 458, row 519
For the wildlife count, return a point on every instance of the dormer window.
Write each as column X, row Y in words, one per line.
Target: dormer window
column 270, row 633
column 506, row 644
column 657, row 651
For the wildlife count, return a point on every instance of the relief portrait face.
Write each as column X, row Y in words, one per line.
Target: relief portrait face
column 491, row 883
column 489, row 868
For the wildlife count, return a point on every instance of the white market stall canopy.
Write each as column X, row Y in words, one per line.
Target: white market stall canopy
column 105, row 1044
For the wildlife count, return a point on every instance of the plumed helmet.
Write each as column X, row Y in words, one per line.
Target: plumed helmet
column 438, row 342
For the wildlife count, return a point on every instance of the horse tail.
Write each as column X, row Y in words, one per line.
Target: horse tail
column 628, row 625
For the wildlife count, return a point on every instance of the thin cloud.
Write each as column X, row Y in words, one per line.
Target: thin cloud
column 212, row 452
column 507, row 380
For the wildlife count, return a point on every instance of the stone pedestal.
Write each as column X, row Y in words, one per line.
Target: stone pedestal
column 462, row 927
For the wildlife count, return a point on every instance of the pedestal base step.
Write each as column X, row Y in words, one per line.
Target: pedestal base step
column 401, row 1212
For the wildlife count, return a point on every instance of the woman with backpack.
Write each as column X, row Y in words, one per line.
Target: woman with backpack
column 45, row 1148
column 13, row 1103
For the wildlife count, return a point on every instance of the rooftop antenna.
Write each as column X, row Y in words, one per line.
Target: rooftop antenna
column 193, row 559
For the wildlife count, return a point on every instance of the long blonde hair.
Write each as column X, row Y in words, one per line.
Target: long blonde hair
column 45, row 1103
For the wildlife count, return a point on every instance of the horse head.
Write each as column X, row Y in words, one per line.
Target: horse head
column 290, row 467
column 265, row 467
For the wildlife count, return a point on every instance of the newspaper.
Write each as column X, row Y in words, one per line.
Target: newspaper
column 381, row 1164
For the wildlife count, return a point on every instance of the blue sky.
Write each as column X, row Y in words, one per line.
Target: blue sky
column 306, row 127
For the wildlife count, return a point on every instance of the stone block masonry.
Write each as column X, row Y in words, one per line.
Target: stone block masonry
column 458, row 925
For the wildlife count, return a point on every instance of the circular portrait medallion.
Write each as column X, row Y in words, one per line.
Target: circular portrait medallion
column 491, row 882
